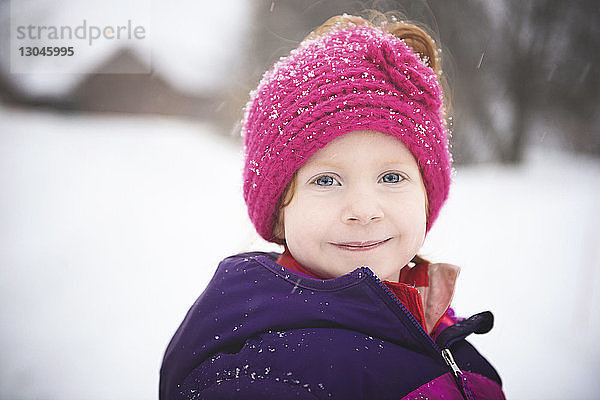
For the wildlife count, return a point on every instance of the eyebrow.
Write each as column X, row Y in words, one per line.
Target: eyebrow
column 379, row 164
column 405, row 163
column 325, row 164
column 333, row 167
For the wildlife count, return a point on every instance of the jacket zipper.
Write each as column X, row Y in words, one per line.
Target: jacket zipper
column 445, row 354
column 460, row 378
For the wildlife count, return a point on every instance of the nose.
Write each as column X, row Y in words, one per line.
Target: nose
column 361, row 208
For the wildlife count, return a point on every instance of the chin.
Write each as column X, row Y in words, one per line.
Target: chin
column 387, row 272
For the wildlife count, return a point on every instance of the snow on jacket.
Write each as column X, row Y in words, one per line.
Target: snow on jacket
column 261, row 331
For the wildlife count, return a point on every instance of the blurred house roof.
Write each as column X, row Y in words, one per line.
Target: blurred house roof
column 193, row 44
column 135, row 93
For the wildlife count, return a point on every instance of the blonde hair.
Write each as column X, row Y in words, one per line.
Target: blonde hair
column 415, row 37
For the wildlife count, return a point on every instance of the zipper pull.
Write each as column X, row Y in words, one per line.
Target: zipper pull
column 451, row 363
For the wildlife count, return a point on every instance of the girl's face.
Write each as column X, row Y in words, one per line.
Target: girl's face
column 359, row 201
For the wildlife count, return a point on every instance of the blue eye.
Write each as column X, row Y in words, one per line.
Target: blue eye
column 392, row 177
column 325, row 180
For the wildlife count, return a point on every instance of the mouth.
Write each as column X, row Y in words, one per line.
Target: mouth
column 361, row 246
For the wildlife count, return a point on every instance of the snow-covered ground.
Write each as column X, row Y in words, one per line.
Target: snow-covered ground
column 110, row 227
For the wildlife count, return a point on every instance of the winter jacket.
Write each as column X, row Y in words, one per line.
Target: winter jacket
column 261, row 331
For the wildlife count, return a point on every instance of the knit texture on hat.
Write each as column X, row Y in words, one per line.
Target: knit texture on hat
column 358, row 78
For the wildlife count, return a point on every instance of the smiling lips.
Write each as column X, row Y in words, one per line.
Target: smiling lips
column 360, row 246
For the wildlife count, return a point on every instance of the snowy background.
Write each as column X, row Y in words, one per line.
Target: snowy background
column 178, row 36
column 111, row 225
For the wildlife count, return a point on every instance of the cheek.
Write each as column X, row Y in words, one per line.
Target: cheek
column 421, row 220
column 420, row 216
column 413, row 216
column 306, row 218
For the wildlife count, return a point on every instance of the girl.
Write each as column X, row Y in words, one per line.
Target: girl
column 347, row 166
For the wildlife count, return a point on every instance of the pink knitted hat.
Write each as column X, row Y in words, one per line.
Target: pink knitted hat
column 357, row 78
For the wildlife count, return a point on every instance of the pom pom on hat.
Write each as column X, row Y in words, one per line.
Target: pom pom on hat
column 358, row 78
